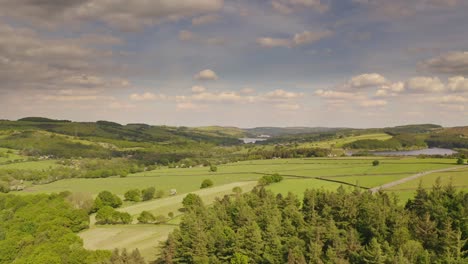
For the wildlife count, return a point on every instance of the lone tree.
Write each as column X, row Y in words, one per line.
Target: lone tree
column 460, row 161
column 213, row 168
column 375, row 163
column 206, row 184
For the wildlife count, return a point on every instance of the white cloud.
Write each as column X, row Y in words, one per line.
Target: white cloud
column 299, row 39
column 458, row 84
column 425, row 84
column 330, row 94
column 274, row 42
column 392, row 89
column 198, row 89
column 280, row 94
column 452, row 63
column 227, row 97
column 308, row 37
column 367, row 80
column 206, row 75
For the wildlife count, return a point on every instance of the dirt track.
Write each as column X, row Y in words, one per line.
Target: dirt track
column 410, row 178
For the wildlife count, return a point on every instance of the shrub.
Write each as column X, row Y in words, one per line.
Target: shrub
column 375, row 163
column 109, row 216
column 213, row 168
column 206, row 184
column 148, row 194
column 146, row 217
column 133, row 195
column 237, row 190
column 159, row 194
column 269, row 179
column 460, row 161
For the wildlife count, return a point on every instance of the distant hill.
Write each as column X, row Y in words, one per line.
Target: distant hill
column 281, row 131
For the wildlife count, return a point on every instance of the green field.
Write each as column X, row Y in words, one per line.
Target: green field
column 31, row 165
column 458, row 179
column 348, row 170
column 339, row 142
column 7, row 155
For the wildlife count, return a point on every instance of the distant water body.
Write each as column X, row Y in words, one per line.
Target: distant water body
column 252, row 140
column 429, row 151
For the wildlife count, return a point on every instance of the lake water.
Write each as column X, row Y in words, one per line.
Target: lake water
column 429, row 151
column 252, row 140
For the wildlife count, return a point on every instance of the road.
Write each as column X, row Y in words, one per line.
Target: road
column 410, row 178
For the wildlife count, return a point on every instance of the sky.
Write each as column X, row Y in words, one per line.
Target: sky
column 244, row 63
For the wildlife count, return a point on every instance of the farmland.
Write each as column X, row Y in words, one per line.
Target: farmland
column 299, row 174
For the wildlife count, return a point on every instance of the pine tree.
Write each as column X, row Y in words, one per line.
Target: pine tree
column 372, row 253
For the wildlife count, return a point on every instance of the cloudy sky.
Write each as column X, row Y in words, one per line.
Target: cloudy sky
column 354, row 63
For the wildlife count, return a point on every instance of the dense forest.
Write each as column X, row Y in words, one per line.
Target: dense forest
column 41, row 229
column 325, row 227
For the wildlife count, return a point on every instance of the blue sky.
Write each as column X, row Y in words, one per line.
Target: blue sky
column 354, row 63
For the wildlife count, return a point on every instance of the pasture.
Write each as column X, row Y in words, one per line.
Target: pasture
column 31, row 165
column 339, row 142
column 297, row 172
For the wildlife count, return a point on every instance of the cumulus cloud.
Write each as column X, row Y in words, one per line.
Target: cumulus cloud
column 338, row 95
column 458, row 84
column 28, row 60
column 367, row 80
column 299, row 39
column 425, row 84
column 274, row 42
column 123, row 14
column 392, row 89
column 280, row 99
column 289, row 6
column 452, row 63
column 280, row 95
column 206, row 75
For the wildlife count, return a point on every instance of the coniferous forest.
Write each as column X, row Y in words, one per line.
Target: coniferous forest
column 323, row 227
